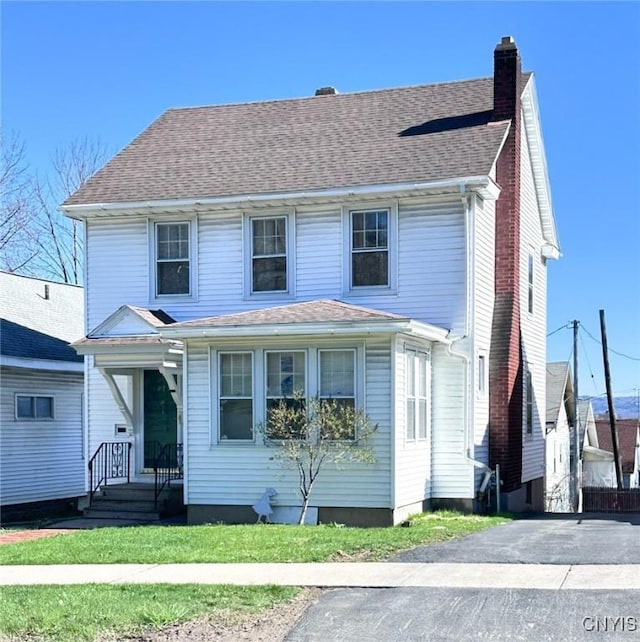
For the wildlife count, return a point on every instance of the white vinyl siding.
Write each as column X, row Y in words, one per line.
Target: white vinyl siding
column 211, row 465
column 533, row 326
column 429, row 273
column 484, row 283
column 412, row 472
column 41, row 460
column 452, row 473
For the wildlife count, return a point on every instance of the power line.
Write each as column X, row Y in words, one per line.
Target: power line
column 584, row 349
column 620, row 354
column 562, row 327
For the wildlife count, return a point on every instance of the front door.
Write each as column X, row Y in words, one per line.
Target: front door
column 160, row 416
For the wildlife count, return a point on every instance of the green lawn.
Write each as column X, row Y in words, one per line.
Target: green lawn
column 247, row 543
column 86, row 612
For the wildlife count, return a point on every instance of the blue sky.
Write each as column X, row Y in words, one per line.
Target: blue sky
column 107, row 70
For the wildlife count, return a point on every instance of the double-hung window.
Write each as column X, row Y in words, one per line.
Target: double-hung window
column 34, row 407
column 337, row 376
column 369, row 248
column 286, row 384
column 418, row 377
column 269, row 254
column 236, row 395
column 173, row 258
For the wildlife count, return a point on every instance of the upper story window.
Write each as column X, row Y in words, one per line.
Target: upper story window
column 369, row 248
column 269, row 252
column 370, row 255
column 173, row 258
column 530, row 283
column 34, row 407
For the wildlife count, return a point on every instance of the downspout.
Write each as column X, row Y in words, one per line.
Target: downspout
column 469, row 412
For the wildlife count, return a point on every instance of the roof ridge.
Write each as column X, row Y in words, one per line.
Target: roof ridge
column 334, row 96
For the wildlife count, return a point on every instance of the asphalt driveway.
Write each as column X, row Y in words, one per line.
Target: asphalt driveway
column 470, row 614
column 568, row 539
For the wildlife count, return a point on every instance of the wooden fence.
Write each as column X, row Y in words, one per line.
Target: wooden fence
column 610, row 500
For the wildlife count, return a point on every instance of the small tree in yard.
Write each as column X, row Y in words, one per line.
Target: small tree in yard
column 310, row 435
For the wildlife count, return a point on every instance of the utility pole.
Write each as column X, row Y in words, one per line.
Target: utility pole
column 575, row 455
column 612, row 412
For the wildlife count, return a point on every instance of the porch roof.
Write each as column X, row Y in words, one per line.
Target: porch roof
column 306, row 318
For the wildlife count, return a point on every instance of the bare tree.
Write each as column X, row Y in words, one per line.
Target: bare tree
column 16, row 249
column 310, row 436
column 57, row 238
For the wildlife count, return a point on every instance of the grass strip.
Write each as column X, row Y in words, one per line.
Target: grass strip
column 246, row 543
column 87, row 612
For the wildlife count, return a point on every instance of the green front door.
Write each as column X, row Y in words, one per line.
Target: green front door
column 160, row 416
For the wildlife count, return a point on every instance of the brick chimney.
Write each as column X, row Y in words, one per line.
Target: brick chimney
column 505, row 364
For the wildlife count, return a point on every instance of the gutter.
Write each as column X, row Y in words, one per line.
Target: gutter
column 483, row 184
column 416, row 328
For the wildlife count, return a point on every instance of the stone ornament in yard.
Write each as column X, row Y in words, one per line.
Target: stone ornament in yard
column 263, row 505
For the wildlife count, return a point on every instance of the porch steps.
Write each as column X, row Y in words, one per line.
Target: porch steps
column 135, row 501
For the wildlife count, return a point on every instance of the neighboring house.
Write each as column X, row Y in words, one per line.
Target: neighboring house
column 560, row 425
column 42, row 464
column 629, row 448
column 598, row 467
column 387, row 248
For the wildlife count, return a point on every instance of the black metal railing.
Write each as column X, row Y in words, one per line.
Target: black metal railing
column 112, row 460
column 168, row 467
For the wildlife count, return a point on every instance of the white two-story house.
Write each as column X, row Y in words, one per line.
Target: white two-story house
column 387, row 248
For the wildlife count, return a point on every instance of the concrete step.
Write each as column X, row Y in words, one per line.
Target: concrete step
column 137, row 492
column 105, row 504
column 146, row 516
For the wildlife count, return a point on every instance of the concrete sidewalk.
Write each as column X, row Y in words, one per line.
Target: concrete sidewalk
column 344, row 574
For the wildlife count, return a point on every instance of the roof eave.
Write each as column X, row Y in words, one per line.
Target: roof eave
column 533, row 131
column 329, row 328
column 53, row 365
column 485, row 186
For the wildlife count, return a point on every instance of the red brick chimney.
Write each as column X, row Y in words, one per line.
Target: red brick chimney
column 505, row 364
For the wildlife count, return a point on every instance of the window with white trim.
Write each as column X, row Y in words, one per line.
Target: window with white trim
column 482, row 374
column 269, row 254
column 418, row 378
column 528, row 394
column 285, row 379
column 369, row 248
column 236, row 418
column 337, row 376
column 34, row 407
column 172, row 258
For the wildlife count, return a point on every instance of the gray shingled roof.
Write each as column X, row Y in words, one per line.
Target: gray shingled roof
column 558, row 377
column 322, row 311
column 390, row 136
column 18, row 341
